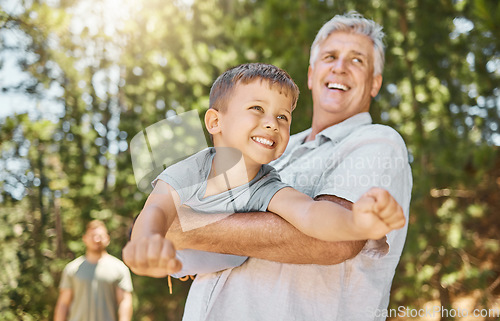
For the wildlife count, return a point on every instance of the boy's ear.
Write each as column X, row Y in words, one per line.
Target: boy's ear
column 212, row 121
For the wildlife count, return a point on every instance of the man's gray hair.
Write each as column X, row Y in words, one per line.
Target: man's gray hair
column 355, row 23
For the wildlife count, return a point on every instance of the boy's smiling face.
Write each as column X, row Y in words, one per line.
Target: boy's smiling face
column 256, row 121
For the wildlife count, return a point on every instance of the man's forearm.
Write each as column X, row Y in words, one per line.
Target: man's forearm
column 63, row 303
column 60, row 313
column 266, row 236
column 125, row 307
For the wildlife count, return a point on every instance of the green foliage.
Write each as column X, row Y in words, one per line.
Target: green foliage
column 117, row 67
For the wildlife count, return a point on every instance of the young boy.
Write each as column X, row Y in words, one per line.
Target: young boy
column 249, row 119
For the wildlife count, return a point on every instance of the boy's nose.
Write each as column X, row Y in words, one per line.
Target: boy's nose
column 271, row 123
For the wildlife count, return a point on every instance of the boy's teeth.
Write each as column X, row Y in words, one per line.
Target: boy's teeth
column 337, row 86
column 263, row 141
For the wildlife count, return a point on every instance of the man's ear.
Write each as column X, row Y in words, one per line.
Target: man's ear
column 212, row 121
column 107, row 240
column 309, row 77
column 376, row 85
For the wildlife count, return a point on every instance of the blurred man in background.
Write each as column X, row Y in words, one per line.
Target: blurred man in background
column 96, row 286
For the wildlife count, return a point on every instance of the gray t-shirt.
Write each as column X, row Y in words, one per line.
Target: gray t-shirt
column 94, row 287
column 189, row 179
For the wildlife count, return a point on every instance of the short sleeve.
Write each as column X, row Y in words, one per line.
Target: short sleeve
column 65, row 280
column 378, row 158
column 264, row 189
column 364, row 164
column 125, row 283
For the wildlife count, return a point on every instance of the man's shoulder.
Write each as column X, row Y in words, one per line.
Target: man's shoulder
column 112, row 268
column 73, row 266
column 113, row 260
column 79, row 260
column 377, row 132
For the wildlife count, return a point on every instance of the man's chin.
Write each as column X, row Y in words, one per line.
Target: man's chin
column 98, row 249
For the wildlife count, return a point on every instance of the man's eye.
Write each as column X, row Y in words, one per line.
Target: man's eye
column 357, row 60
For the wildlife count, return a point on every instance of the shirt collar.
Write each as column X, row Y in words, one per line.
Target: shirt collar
column 333, row 133
column 339, row 131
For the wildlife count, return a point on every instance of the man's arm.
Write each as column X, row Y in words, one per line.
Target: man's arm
column 267, row 236
column 124, row 300
column 62, row 305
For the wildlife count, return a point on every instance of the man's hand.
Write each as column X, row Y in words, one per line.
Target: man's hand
column 377, row 213
column 151, row 256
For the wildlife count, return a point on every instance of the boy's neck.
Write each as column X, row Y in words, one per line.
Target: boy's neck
column 230, row 170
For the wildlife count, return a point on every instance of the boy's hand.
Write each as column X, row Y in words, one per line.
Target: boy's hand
column 387, row 208
column 151, row 256
column 377, row 213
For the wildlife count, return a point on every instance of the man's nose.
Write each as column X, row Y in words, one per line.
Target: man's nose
column 339, row 65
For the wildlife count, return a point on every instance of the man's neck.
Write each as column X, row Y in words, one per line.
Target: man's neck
column 94, row 257
column 316, row 128
column 320, row 124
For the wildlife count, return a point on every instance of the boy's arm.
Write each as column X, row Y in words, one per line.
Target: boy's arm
column 326, row 221
column 148, row 252
column 374, row 215
column 267, row 236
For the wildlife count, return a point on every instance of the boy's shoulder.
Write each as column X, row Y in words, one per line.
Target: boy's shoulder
column 186, row 175
column 189, row 166
column 196, row 159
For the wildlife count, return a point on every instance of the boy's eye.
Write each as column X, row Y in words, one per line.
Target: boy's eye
column 257, row 108
column 283, row 117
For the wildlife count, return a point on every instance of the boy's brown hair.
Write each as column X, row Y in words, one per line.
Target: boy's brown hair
column 277, row 78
